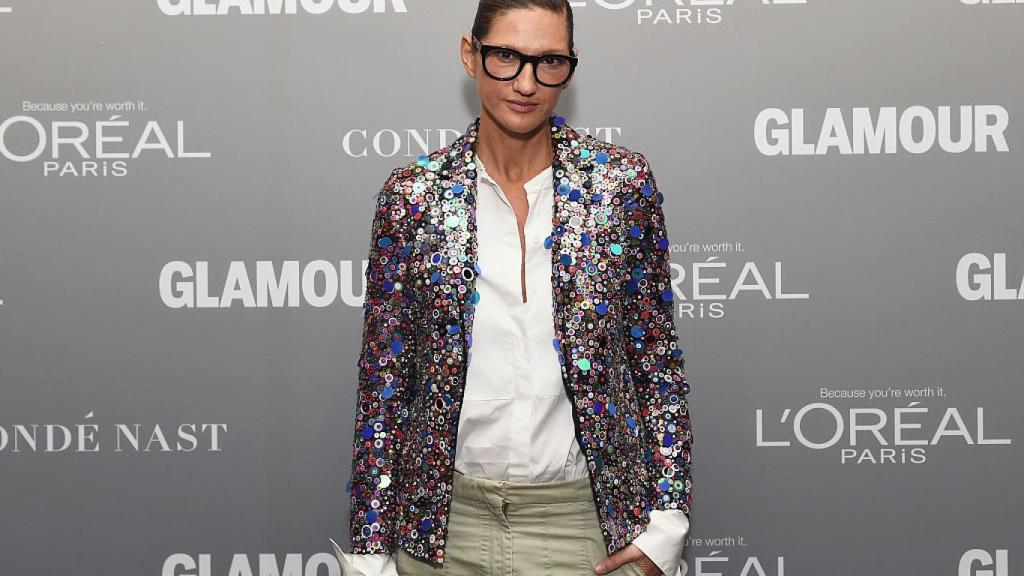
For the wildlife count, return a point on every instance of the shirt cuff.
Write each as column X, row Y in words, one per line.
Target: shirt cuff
column 664, row 538
column 365, row 564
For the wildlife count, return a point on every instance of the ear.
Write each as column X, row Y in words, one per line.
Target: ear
column 467, row 53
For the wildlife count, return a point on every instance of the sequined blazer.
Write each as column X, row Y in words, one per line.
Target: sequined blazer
column 614, row 333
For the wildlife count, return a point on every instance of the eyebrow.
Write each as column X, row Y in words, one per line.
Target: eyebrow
column 544, row 53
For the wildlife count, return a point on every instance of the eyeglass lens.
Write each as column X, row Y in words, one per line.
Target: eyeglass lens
column 505, row 63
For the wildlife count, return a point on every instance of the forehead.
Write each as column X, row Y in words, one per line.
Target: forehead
column 529, row 30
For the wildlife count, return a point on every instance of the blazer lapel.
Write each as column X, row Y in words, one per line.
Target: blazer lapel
column 571, row 244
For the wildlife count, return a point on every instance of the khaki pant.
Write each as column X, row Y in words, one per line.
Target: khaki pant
column 501, row 528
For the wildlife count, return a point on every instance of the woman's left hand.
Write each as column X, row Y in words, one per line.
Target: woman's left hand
column 629, row 553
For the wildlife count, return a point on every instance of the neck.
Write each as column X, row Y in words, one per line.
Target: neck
column 513, row 156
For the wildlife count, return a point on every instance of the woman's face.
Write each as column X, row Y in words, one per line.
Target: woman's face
column 530, row 31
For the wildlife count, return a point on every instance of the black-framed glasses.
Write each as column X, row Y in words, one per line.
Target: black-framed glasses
column 502, row 63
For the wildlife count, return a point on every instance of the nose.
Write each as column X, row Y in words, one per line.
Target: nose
column 526, row 83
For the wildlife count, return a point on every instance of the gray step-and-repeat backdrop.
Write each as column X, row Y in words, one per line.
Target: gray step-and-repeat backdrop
column 186, row 188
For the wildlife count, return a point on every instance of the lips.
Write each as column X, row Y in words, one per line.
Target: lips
column 521, row 106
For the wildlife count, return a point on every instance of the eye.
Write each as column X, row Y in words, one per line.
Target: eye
column 552, row 61
column 507, row 56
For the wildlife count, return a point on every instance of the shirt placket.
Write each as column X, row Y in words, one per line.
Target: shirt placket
column 521, row 421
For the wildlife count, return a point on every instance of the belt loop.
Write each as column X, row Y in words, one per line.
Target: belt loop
column 503, row 490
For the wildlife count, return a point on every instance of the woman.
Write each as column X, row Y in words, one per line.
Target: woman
column 522, row 401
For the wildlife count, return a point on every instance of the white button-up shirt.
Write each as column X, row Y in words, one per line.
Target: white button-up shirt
column 516, row 422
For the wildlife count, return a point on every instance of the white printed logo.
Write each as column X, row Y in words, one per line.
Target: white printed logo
column 871, row 434
column 708, row 286
column 90, row 148
column 183, row 285
column 261, row 7
column 978, row 278
column 654, row 12
column 181, row 564
column 778, row 132
column 978, row 562
column 412, row 143
column 90, row 436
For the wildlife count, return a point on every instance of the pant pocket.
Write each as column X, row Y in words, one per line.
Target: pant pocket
column 595, row 545
column 408, row 565
column 466, row 550
column 559, row 545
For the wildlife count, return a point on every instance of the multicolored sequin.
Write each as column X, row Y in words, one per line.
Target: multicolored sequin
column 614, row 333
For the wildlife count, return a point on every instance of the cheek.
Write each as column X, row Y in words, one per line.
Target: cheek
column 492, row 89
column 551, row 96
column 549, row 101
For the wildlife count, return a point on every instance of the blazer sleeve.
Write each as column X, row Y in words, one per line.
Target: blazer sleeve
column 386, row 375
column 656, row 361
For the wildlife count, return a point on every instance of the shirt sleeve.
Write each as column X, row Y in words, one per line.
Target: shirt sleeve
column 365, row 564
column 664, row 539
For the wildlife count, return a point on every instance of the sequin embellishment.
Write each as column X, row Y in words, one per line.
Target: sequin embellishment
column 615, row 336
